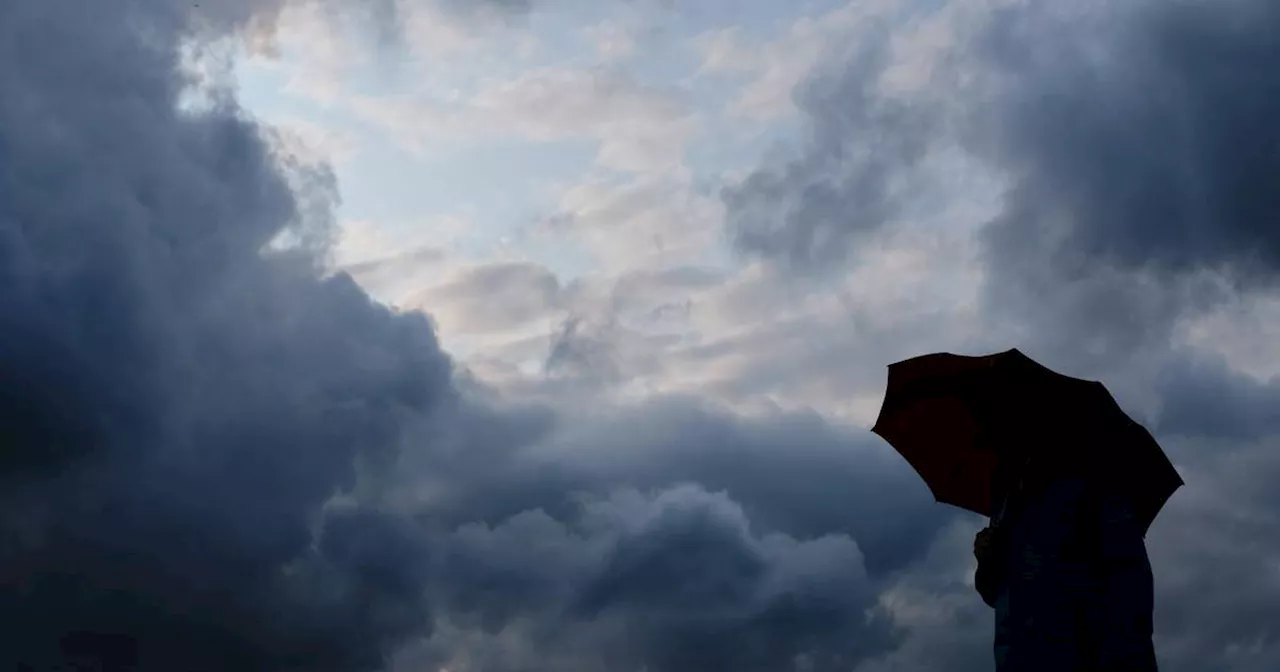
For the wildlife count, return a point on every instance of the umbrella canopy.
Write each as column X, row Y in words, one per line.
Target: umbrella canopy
column 956, row 419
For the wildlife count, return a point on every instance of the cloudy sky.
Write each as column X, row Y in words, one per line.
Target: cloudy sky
column 529, row 335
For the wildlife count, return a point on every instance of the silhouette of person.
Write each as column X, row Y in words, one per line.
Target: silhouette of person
column 1065, row 567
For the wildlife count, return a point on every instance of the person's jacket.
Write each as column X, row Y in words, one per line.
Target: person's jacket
column 1025, row 482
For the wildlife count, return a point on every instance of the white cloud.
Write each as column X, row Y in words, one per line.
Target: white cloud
column 613, row 41
column 363, row 241
column 396, row 261
column 432, row 31
column 765, row 340
column 315, row 48
column 637, row 127
column 774, row 69
column 490, row 298
column 415, row 124
column 653, row 220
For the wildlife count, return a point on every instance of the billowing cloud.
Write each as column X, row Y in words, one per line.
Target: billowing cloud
column 220, row 456
column 676, row 579
column 1155, row 139
column 1136, row 191
column 179, row 403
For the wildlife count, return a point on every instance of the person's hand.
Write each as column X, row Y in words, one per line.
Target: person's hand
column 981, row 542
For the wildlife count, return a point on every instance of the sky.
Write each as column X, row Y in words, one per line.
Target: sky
column 525, row 335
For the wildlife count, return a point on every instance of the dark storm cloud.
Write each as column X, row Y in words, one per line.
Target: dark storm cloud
column 217, row 458
column 675, row 580
column 1216, row 607
column 671, row 536
column 1144, row 151
column 177, row 406
column 1156, row 137
column 1140, row 144
column 828, row 481
column 1205, row 398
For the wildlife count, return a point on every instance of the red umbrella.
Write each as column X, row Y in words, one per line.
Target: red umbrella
column 947, row 415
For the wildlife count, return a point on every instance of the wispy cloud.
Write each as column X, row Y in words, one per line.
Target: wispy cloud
column 636, row 127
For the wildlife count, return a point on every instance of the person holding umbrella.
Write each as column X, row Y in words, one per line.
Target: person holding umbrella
column 1071, row 485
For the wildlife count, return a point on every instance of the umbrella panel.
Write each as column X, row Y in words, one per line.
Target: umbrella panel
column 962, row 474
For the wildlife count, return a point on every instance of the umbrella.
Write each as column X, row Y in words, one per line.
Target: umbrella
column 956, row 418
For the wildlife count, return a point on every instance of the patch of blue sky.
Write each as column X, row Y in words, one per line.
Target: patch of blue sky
column 501, row 187
column 498, row 193
column 729, row 149
column 504, row 182
column 498, row 186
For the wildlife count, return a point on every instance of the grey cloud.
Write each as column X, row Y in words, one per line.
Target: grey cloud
column 850, row 178
column 584, row 351
column 1204, row 398
column 515, row 6
column 218, row 458
column 791, row 473
column 180, row 404
column 674, row 579
column 1154, row 136
column 1139, row 142
column 671, row 535
column 1214, row 607
column 1143, row 148
column 1137, row 138
column 931, row 605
